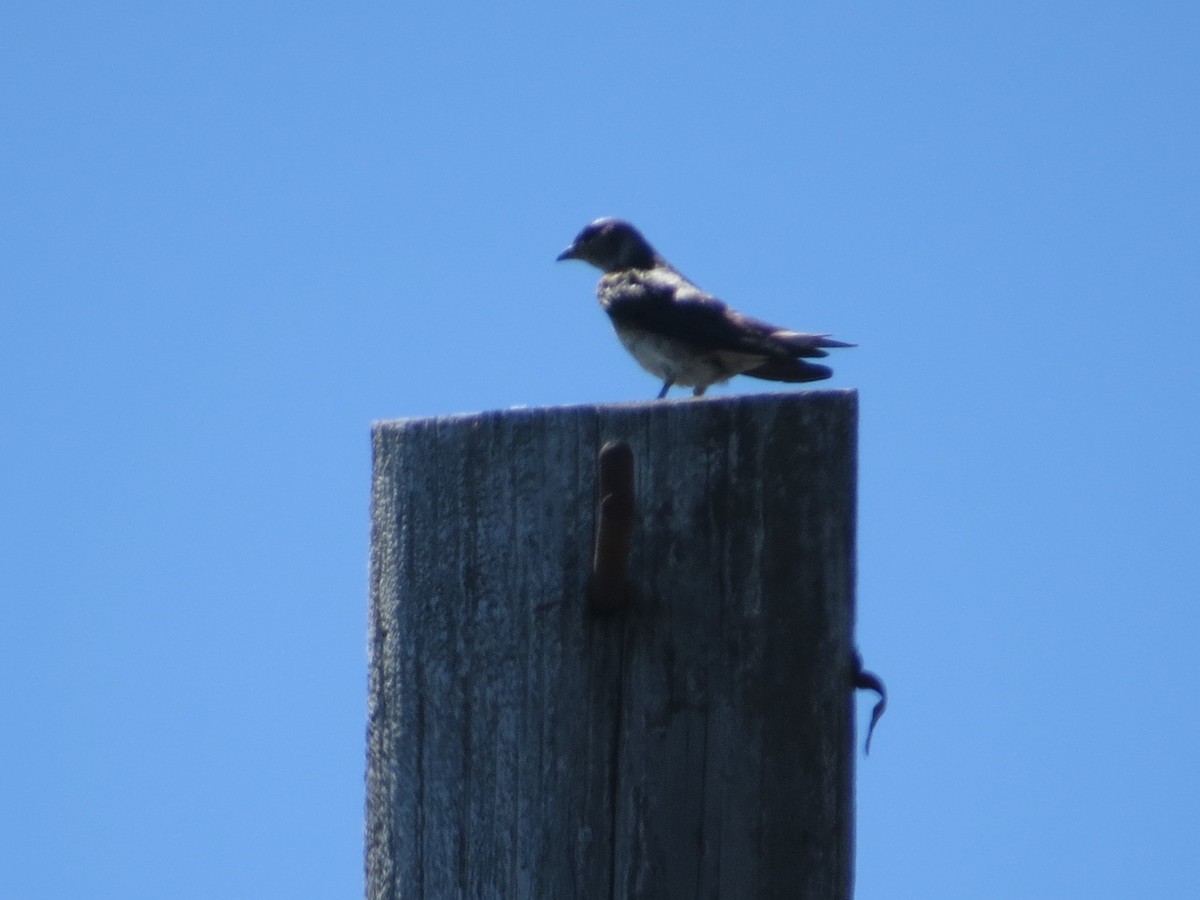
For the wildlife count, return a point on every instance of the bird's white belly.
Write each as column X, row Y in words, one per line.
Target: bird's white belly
column 683, row 363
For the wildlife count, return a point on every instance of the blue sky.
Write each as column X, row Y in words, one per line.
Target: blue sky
column 236, row 234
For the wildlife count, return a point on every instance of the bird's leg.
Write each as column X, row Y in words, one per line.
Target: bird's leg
column 698, row 390
column 666, row 387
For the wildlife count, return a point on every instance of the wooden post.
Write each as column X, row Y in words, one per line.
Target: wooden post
column 698, row 743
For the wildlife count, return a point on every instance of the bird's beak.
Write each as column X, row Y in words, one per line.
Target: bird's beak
column 569, row 253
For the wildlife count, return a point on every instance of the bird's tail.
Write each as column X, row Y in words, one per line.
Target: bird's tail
column 793, row 370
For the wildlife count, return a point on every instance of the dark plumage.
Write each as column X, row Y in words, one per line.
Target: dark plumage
column 678, row 332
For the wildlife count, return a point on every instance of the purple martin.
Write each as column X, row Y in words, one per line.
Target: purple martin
column 680, row 333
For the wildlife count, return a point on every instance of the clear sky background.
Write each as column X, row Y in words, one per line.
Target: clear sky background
column 232, row 235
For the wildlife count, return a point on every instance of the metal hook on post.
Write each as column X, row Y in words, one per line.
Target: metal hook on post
column 862, row 680
column 609, row 589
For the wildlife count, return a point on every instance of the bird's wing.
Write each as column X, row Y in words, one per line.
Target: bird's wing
column 662, row 301
column 805, row 345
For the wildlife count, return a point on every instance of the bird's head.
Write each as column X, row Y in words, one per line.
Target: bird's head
column 612, row 245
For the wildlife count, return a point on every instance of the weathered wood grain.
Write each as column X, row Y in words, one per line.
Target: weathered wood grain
column 698, row 744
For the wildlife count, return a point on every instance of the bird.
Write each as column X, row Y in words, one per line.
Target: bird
column 678, row 332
